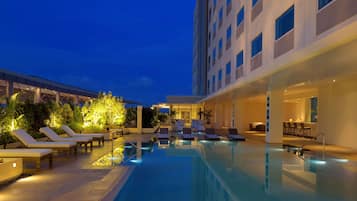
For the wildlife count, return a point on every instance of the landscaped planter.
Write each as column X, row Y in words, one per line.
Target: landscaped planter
column 10, row 169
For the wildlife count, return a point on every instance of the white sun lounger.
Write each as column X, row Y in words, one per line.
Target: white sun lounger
column 210, row 134
column 28, row 141
column 53, row 136
column 96, row 136
column 187, row 134
column 233, row 135
column 164, row 134
column 35, row 155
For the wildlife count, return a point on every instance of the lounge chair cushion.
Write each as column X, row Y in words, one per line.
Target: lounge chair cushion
column 162, row 136
column 18, row 153
column 212, row 136
column 52, row 145
column 55, row 137
column 187, row 136
column 30, row 142
column 71, row 133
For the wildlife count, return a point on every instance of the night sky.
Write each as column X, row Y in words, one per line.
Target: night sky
column 141, row 50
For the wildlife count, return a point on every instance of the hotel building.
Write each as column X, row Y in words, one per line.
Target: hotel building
column 199, row 58
column 275, row 61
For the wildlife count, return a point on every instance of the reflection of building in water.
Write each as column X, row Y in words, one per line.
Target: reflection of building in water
column 206, row 185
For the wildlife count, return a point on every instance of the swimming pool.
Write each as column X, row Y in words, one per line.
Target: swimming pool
column 214, row 171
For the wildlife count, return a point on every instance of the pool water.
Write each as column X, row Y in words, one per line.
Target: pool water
column 214, row 171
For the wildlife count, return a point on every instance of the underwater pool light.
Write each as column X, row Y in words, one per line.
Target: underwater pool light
column 341, row 160
column 318, row 162
column 137, row 161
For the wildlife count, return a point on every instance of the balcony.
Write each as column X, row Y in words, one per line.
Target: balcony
column 256, row 10
column 334, row 13
column 240, row 30
column 228, row 79
column 239, row 72
column 229, row 9
column 228, row 44
column 284, row 44
column 256, row 61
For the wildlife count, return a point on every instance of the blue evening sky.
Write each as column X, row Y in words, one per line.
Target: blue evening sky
column 140, row 49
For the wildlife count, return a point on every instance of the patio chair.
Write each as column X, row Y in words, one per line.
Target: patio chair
column 28, row 141
column 187, row 134
column 53, row 136
column 95, row 136
column 163, row 134
column 233, row 135
column 35, row 155
column 210, row 134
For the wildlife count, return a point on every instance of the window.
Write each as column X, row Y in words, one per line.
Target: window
column 240, row 16
column 214, row 28
column 239, row 59
column 209, row 15
column 214, row 3
column 209, row 61
column 257, row 45
column 214, row 55
column 229, row 32
column 228, row 68
column 220, row 15
column 208, row 86
column 313, row 107
column 284, row 23
column 323, row 3
column 220, row 75
column 229, row 2
column 254, row 2
column 213, row 82
column 220, row 44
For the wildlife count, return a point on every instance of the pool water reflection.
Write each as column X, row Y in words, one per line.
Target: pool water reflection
column 204, row 171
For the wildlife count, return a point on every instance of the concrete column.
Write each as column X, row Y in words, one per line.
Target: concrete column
column 37, row 97
column 139, row 121
column 76, row 100
column 240, row 115
column 10, row 88
column 57, row 97
column 274, row 116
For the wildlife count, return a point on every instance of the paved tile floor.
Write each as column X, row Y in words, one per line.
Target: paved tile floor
column 69, row 174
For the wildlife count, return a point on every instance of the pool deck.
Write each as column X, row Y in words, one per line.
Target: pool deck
column 71, row 177
column 309, row 144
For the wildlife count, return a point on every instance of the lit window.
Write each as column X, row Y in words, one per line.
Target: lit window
column 284, row 23
column 240, row 59
column 323, row 3
column 240, row 16
column 254, row 2
column 228, row 68
column 257, row 45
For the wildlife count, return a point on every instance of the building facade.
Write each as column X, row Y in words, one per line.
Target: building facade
column 276, row 61
column 199, row 64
